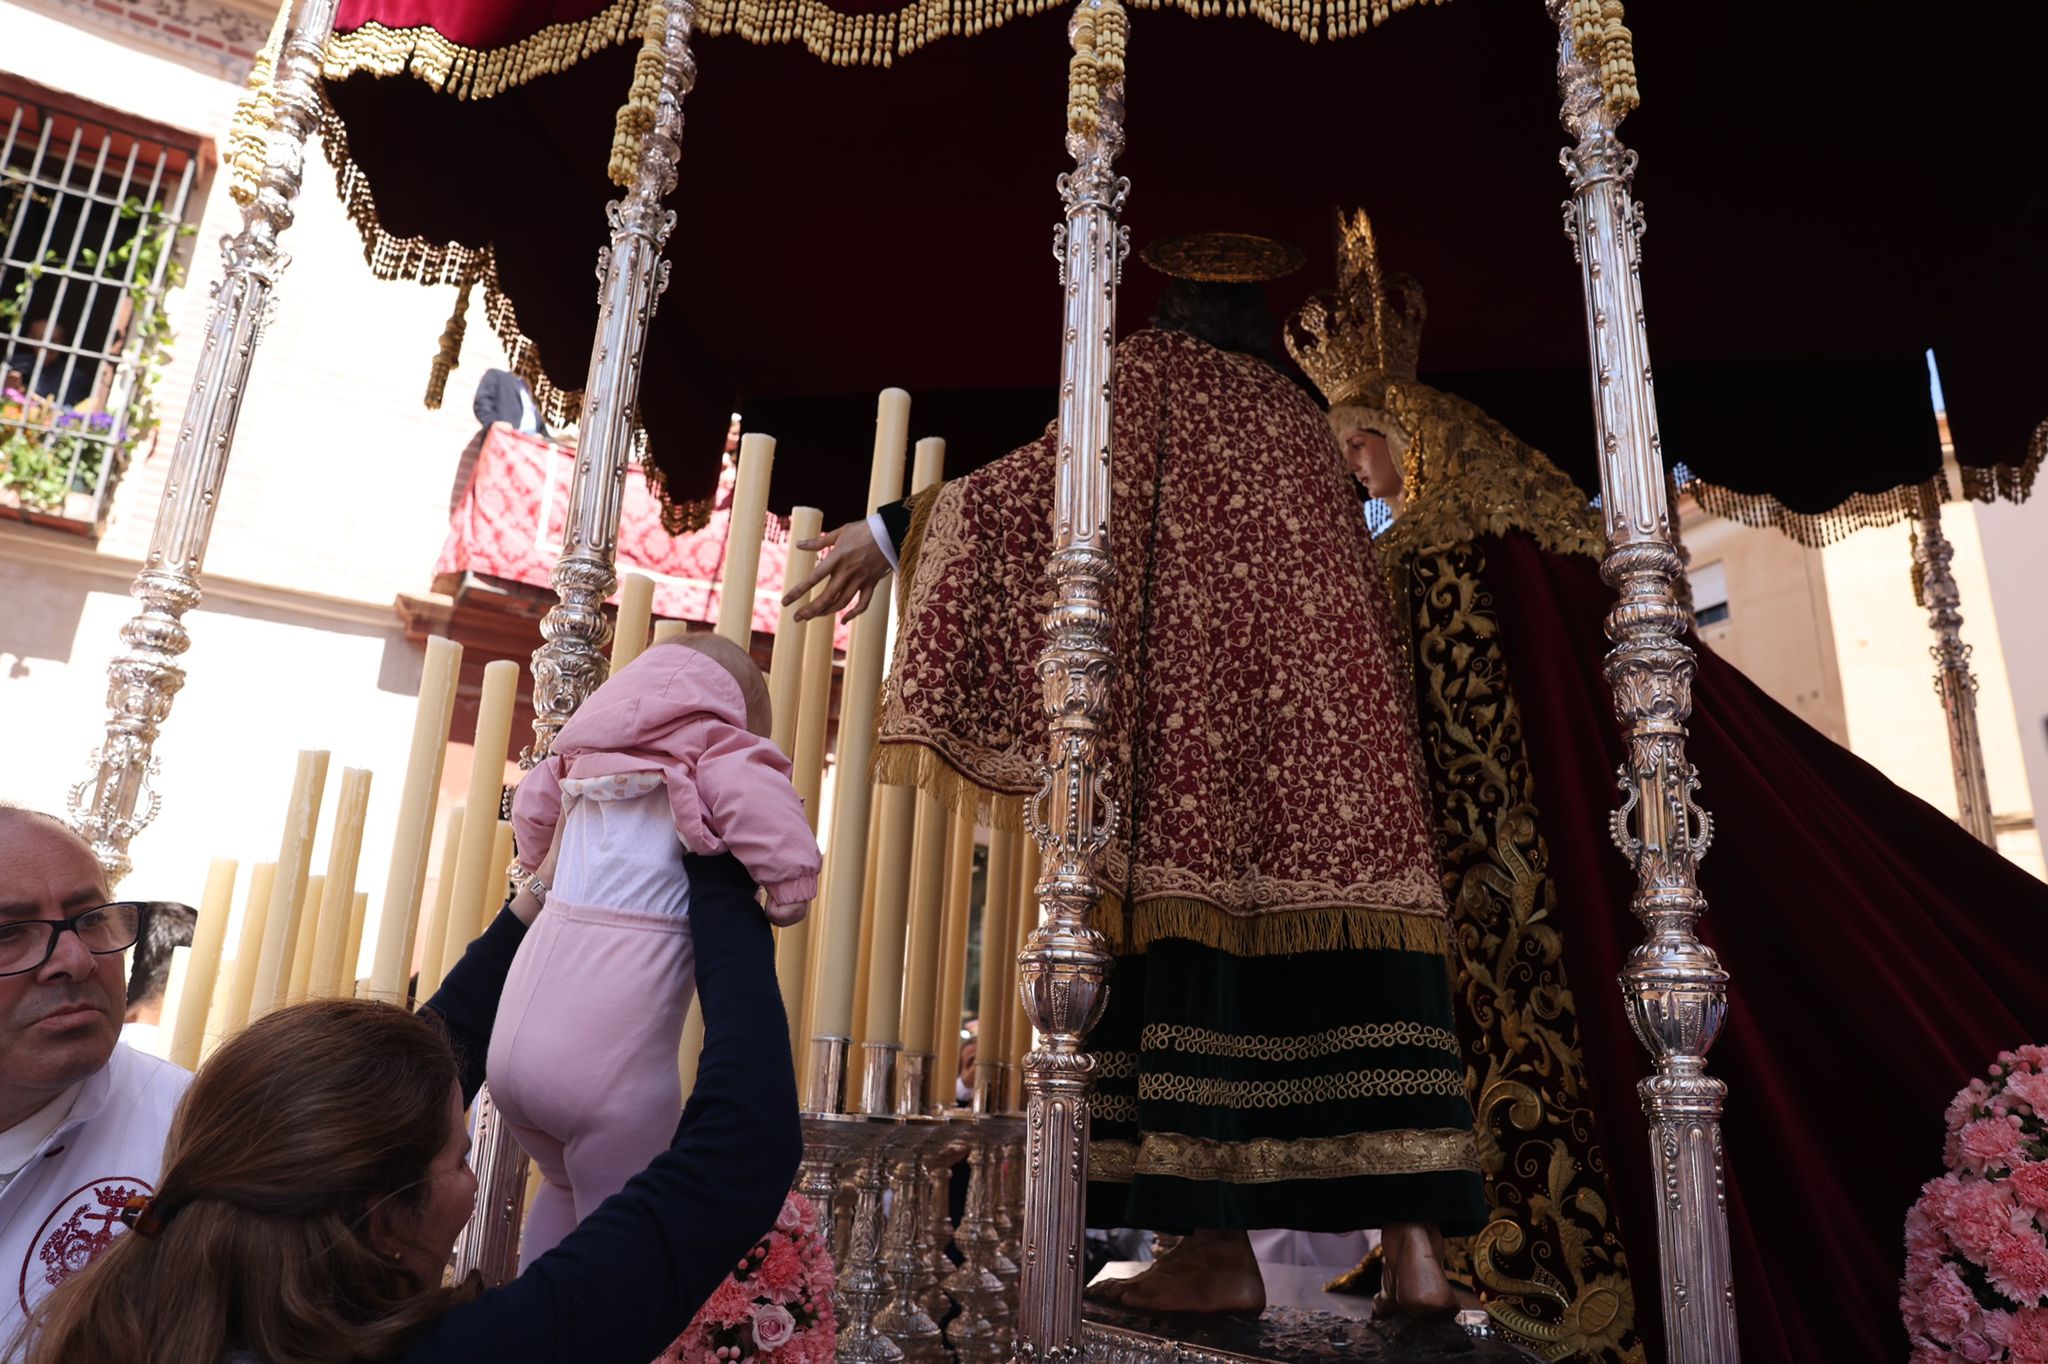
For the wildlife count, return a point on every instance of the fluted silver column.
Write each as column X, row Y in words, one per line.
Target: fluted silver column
column 1676, row 988
column 1954, row 683
column 118, row 801
column 1064, row 970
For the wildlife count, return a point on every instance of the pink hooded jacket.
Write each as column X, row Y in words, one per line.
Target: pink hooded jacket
column 674, row 711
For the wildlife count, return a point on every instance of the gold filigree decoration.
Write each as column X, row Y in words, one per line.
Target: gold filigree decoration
column 1116, row 1065
column 1271, row 1160
column 1552, row 1260
column 1211, row 1092
column 1311, row 1046
column 1114, row 1108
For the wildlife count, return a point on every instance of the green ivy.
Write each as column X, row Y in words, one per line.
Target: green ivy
column 38, row 466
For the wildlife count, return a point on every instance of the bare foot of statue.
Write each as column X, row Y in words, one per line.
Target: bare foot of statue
column 1208, row 1272
column 1413, row 1283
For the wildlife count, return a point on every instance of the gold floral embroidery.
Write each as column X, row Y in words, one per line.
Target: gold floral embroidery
column 1269, row 1160
column 1210, row 1092
column 1552, row 1260
column 1252, row 1046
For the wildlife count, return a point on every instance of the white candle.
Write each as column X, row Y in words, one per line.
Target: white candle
column 399, row 920
column 500, row 882
column 669, row 631
column 298, row 987
column 444, row 899
column 793, row 945
column 249, row 946
column 331, row 976
column 743, row 539
column 474, row 874
column 891, row 913
column 208, row 936
column 288, row 888
column 636, row 608
column 927, row 911
column 953, row 951
column 998, row 904
column 352, row 978
column 840, row 931
column 174, row 1002
column 786, row 661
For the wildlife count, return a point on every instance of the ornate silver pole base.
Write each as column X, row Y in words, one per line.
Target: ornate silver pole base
column 1954, row 683
column 489, row 1244
column 864, row 1284
column 904, row 1319
column 117, row 802
column 1676, row 990
column 975, row 1337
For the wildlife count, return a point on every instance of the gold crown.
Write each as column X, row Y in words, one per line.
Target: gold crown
column 1369, row 330
column 1223, row 257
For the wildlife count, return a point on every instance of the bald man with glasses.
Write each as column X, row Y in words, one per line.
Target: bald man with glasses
column 82, row 1118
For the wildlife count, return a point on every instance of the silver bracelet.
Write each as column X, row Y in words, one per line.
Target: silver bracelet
column 538, row 889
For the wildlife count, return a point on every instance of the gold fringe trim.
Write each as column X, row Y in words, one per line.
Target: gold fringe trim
column 1860, row 512
column 474, row 73
column 2007, row 482
column 255, row 116
column 838, row 38
column 905, row 763
column 1275, row 932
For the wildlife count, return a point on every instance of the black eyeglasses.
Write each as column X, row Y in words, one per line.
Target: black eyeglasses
column 26, row 944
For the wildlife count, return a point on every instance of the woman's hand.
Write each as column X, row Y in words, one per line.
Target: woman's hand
column 849, row 572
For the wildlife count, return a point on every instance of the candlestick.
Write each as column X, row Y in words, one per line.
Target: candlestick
column 898, row 805
column 288, row 887
column 743, row 538
column 297, row 985
column 474, row 872
column 927, row 911
column 839, row 934
column 953, row 949
column 398, row 922
column 669, row 631
column 208, row 934
column 636, row 608
column 249, row 946
column 444, row 902
column 344, row 854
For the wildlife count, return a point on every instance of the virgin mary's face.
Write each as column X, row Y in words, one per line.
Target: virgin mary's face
column 1372, row 462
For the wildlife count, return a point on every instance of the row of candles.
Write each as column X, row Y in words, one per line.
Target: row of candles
column 881, row 958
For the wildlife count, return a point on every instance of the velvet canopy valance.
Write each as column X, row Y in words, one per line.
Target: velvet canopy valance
column 1832, row 190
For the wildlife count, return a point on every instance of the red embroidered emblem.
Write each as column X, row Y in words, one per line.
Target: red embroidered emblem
column 84, row 1223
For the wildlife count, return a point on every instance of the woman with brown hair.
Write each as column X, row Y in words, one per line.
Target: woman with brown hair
column 316, row 1179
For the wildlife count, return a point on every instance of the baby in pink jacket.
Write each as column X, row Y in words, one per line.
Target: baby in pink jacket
column 670, row 755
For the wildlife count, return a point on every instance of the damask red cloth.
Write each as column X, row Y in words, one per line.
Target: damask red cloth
column 509, row 523
column 1279, row 804
column 1879, row 956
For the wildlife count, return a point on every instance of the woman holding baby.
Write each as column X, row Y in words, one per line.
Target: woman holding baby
column 316, row 1177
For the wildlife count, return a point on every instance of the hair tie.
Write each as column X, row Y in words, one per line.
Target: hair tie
column 140, row 1214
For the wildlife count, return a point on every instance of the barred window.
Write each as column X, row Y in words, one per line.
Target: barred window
column 92, row 219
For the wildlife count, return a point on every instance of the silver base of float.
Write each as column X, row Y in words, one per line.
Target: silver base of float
column 1342, row 1331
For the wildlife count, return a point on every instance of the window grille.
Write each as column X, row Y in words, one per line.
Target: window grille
column 91, row 216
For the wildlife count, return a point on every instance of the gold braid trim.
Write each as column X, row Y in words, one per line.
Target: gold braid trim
column 255, row 116
column 1273, row 932
column 1269, row 1160
column 481, row 73
column 450, row 354
column 1300, row 1047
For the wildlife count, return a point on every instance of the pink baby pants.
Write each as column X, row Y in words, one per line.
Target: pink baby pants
column 583, row 1056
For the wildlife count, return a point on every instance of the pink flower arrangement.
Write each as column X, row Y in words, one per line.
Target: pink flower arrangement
column 775, row 1307
column 1976, row 1285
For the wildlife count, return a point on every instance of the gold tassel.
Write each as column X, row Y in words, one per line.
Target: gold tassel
column 450, row 354
column 643, row 98
column 255, row 116
column 1617, row 62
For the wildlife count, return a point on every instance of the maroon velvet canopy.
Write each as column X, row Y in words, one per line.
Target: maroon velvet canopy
column 1832, row 187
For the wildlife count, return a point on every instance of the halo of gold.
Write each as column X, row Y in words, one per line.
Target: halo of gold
column 1224, row 257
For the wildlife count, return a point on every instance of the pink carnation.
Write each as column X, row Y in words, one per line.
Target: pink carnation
column 2030, row 1181
column 781, row 1271
column 731, row 1305
column 1980, row 1212
column 2029, row 1087
column 791, row 1219
column 1988, row 1144
column 1946, row 1305
column 2028, row 1337
column 2018, row 1266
